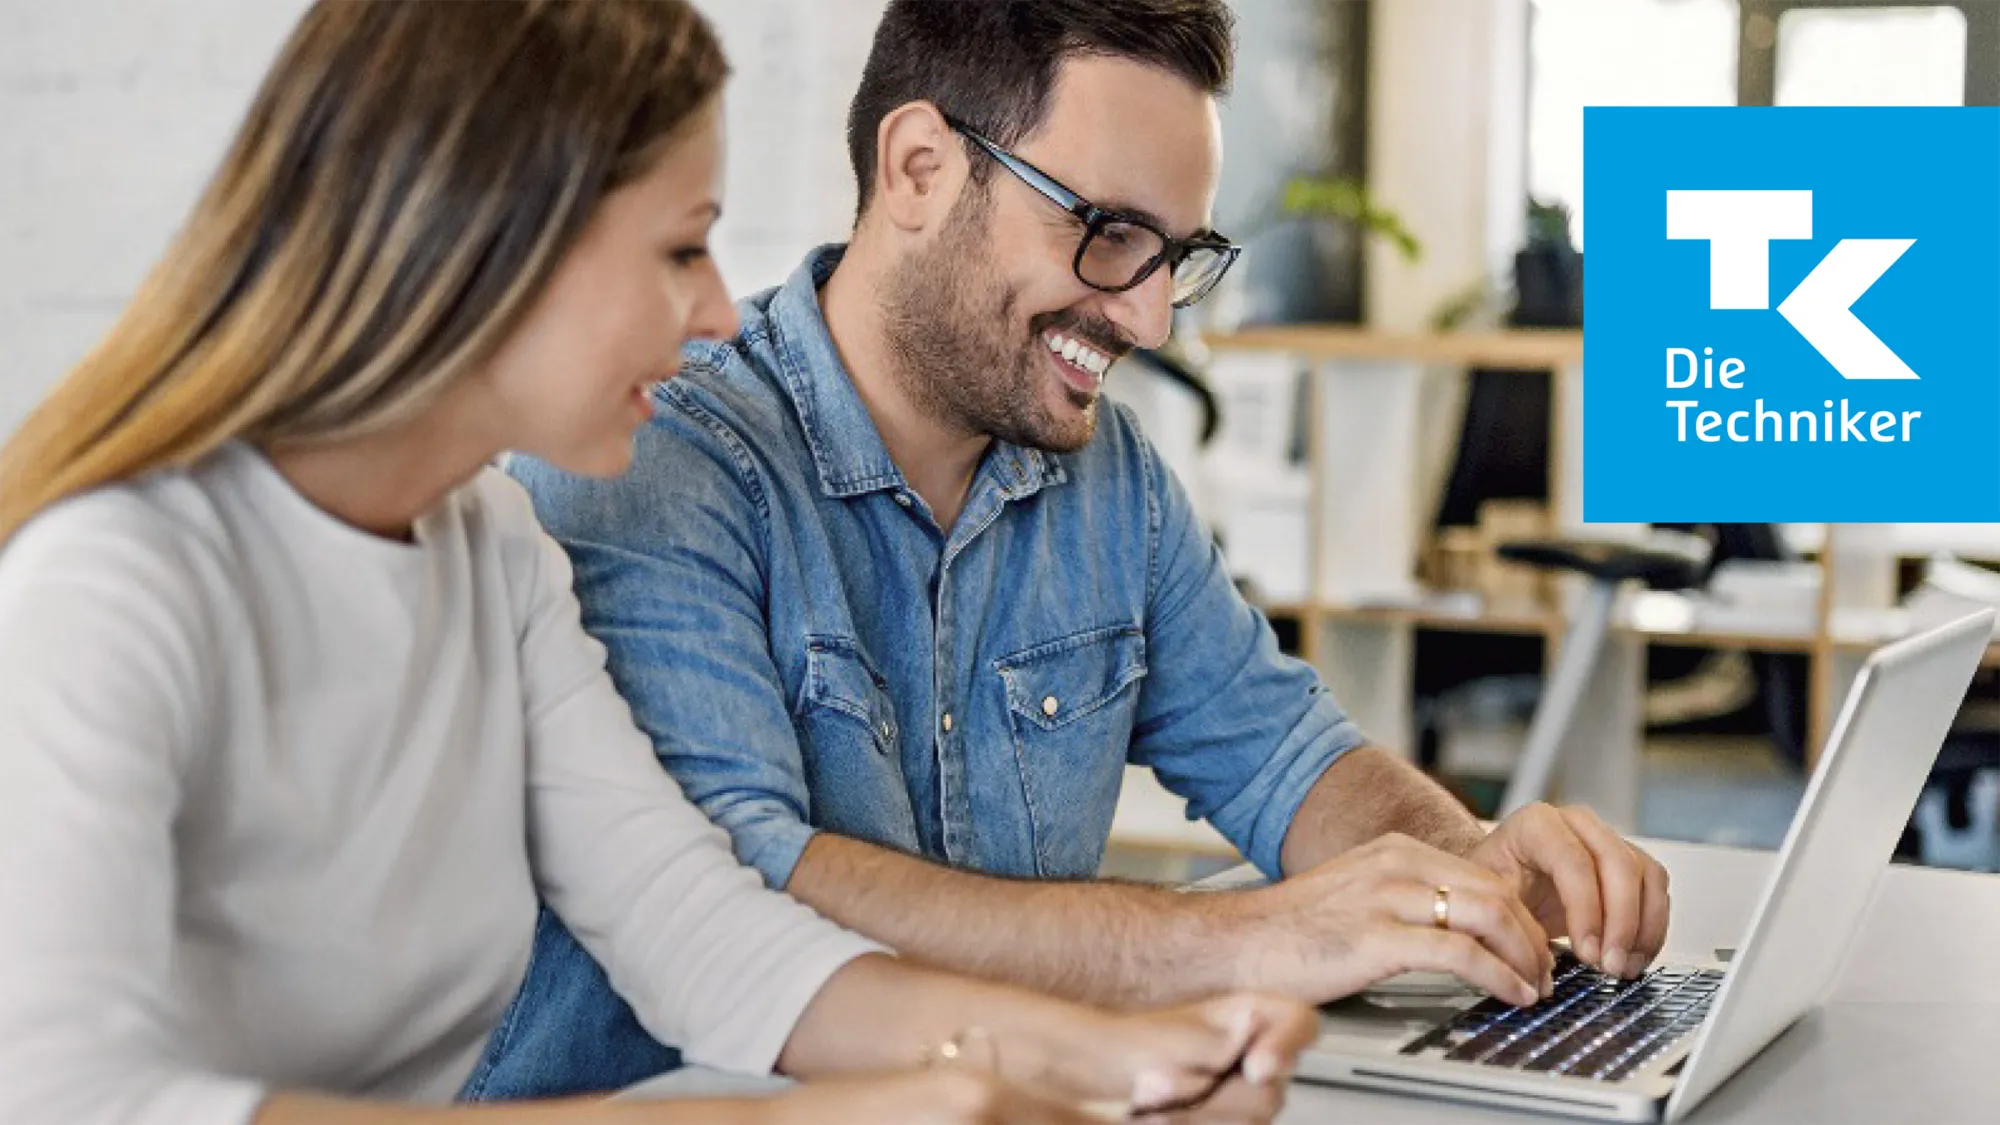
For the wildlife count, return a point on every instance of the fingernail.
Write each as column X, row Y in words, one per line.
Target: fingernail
column 1548, row 986
column 1259, row 1069
column 1528, row 996
column 1242, row 1028
column 1614, row 962
column 1586, row 948
column 1150, row 1088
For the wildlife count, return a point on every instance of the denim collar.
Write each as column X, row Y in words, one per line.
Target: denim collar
column 846, row 447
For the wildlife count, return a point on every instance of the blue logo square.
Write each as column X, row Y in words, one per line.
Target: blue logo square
column 1792, row 315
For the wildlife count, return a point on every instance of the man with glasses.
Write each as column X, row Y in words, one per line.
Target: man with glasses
column 899, row 597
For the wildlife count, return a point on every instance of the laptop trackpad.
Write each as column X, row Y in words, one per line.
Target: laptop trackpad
column 1387, row 1018
column 1419, row 986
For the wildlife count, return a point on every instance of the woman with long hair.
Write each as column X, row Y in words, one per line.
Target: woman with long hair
column 297, row 719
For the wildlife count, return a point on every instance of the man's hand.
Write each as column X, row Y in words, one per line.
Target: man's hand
column 1579, row 878
column 1367, row 915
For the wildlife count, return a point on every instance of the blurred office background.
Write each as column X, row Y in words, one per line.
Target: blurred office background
column 1382, row 393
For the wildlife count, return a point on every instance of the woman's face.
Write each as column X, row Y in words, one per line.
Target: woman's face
column 575, row 381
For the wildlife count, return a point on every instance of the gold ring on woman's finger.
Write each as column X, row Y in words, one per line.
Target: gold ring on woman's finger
column 1441, row 908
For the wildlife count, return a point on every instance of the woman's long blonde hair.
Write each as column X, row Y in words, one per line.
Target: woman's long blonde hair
column 402, row 188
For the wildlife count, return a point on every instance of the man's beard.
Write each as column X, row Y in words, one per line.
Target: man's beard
column 951, row 334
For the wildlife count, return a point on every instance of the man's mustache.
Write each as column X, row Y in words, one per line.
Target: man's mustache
column 1099, row 333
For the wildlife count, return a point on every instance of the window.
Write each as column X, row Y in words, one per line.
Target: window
column 1616, row 52
column 1756, row 52
column 1868, row 56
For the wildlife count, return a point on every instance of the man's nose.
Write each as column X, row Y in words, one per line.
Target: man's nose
column 1144, row 313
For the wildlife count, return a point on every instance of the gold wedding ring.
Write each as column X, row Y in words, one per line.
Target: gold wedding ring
column 1441, row 908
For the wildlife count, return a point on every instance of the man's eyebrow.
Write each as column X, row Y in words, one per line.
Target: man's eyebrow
column 1134, row 211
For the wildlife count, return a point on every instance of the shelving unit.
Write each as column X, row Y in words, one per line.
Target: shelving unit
column 1365, row 525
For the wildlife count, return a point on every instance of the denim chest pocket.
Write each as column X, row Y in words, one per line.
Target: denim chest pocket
column 1071, row 703
column 848, row 737
column 841, row 682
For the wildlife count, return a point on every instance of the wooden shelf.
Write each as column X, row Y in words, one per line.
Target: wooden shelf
column 1365, row 430
column 1420, row 617
column 1863, row 645
column 1802, row 643
column 1529, row 622
column 1523, row 348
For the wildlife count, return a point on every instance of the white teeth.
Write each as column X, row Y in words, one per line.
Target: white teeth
column 1079, row 353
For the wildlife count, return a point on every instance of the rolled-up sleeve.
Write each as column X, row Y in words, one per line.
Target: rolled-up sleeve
column 709, row 958
column 1227, row 721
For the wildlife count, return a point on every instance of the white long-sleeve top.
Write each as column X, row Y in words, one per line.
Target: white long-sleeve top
column 276, row 797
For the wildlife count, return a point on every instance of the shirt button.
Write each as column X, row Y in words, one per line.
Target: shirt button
column 903, row 498
column 947, row 722
column 885, row 730
column 1050, row 706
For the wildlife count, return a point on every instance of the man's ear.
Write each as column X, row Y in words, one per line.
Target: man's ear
column 919, row 167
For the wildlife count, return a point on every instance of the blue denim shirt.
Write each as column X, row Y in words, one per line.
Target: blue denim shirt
column 811, row 652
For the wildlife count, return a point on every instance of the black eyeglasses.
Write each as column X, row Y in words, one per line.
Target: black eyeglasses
column 1120, row 251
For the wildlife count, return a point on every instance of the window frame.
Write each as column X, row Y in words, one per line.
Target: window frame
column 1757, row 64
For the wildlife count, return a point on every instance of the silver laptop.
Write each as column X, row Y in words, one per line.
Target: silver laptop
column 1653, row 1048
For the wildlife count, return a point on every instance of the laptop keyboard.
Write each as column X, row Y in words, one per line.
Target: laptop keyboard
column 1594, row 1026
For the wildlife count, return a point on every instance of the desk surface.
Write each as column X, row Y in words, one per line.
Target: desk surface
column 1910, row 1033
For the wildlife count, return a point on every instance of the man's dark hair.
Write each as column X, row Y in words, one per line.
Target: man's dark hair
column 993, row 63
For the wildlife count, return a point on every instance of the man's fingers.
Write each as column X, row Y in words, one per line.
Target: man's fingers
column 1510, row 926
column 1658, row 906
column 1487, row 913
column 1621, row 886
column 1552, row 844
column 1539, row 935
column 1461, row 955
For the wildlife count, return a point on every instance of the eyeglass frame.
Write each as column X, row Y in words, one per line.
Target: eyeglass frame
column 1095, row 218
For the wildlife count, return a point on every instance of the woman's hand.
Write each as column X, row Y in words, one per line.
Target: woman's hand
column 1226, row 1059
column 940, row 1095
column 1220, row 1060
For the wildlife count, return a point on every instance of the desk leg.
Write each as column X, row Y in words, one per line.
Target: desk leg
column 1601, row 757
column 1368, row 667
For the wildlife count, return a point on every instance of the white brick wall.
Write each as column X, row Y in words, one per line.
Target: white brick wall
column 113, row 113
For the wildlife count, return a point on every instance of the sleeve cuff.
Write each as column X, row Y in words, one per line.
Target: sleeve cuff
column 1258, row 819
column 771, row 846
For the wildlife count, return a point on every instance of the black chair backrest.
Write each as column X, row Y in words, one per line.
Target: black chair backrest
column 1503, row 449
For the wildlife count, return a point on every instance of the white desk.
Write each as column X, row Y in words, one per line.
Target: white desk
column 1911, row 1032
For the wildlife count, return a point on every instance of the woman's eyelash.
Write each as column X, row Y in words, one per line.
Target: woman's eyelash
column 687, row 255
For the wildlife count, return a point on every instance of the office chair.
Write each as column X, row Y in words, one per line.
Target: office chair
column 1667, row 560
column 1782, row 679
column 1694, row 552
column 1503, row 454
column 1176, row 370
